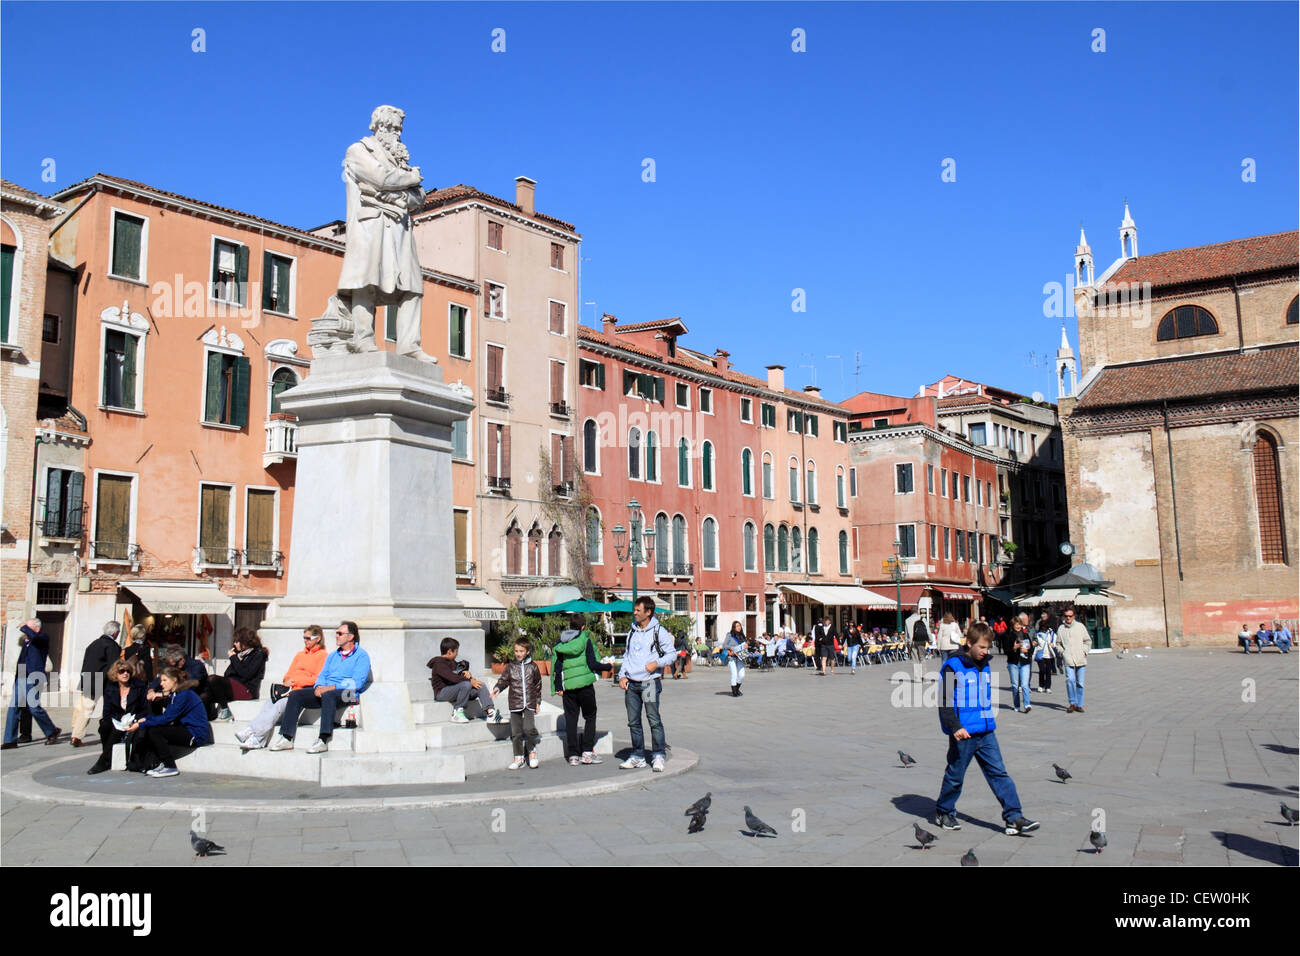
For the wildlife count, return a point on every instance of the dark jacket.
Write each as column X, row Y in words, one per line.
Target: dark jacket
column 249, row 670
column 193, row 670
column 186, row 709
column 524, row 679
column 444, row 674
column 966, row 696
column 136, row 702
column 140, row 651
column 36, row 647
column 102, row 651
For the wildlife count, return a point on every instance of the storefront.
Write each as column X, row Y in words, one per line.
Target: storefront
column 198, row 617
column 1082, row 588
column 803, row 605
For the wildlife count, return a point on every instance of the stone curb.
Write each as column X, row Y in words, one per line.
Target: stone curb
column 20, row 783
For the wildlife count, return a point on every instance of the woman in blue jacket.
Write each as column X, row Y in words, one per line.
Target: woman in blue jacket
column 184, row 722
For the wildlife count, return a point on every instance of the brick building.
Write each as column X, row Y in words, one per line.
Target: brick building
column 1180, row 442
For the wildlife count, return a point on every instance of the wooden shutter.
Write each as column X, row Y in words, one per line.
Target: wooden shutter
column 75, row 504
column 6, row 287
column 113, row 519
column 128, row 371
column 495, row 354
column 268, row 281
column 493, row 436
column 566, row 456
column 505, row 451
column 54, row 502
column 126, row 246
column 557, row 459
column 460, row 522
column 659, row 389
column 261, row 526
column 600, row 376
column 212, row 406
column 214, row 523
column 457, row 337
column 239, row 389
column 241, row 275
column 557, row 317
column 557, row 382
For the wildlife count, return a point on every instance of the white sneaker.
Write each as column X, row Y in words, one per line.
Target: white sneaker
column 281, row 743
column 243, row 735
column 658, row 765
column 458, row 716
column 319, row 747
column 253, row 743
column 633, row 763
column 591, row 757
column 516, row 764
column 532, row 760
column 163, row 772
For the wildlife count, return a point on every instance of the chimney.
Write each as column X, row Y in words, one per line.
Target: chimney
column 524, row 191
column 722, row 360
column 814, row 390
column 607, row 323
column 776, row 378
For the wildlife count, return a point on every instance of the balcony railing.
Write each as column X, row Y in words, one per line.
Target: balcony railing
column 263, row 559
column 466, row 569
column 675, row 569
column 69, row 523
column 281, row 441
column 564, row 489
column 560, row 409
column 496, row 396
column 498, row 483
column 216, row 556
column 127, row 551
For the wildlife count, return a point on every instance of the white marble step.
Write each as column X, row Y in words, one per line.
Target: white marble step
column 489, row 758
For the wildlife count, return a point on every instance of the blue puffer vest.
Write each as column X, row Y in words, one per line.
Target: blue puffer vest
column 966, row 696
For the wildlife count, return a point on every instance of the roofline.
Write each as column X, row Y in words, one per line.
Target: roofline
column 198, row 207
column 40, row 205
column 955, row 442
column 483, row 201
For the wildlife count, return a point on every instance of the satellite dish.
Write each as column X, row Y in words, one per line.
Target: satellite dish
column 1037, row 396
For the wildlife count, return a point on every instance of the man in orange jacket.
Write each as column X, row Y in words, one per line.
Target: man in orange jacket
column 303, row 671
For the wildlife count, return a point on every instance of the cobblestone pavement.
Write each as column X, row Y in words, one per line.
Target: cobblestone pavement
column 1187, row 752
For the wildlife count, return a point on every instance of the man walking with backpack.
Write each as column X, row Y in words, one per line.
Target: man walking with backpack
column 649, row 651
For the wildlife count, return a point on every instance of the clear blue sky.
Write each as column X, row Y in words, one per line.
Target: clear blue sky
column 775, row 170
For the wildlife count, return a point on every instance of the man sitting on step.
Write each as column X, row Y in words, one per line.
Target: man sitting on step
column 342, row 680
column 456, row 686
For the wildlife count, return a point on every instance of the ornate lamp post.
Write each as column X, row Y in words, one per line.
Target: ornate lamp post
column 640, row 547
column 897, row 570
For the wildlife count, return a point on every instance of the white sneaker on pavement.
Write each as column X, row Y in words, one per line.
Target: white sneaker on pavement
column 281, row 743
column 658, row 765
column 633, row 763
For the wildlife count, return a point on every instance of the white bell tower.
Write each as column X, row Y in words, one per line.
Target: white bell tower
column 1065, row 366
column 1128, row 235
column 1083, row 270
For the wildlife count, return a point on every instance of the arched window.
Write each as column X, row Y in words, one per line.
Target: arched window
column 554, row 548
column 283, row 380
column 750, row 546
column 810, row 489
column 769, row 548
column 514, row 548
column 590, row 446
column 814, row 552
column 634, row 454
column 663, row 544
column 1291, row 314
column 593, row 536
column 706, row 466
column 769, row 490
column 840, row 500
column 679, row 542
column 794, row 479
column 1268, row 498
column 684, row 463
column 1185, row 322
column 651, row 457
column 535, row 550
column 747, row 472
column 783, row 548
column 844, row 552
column 710, row 544
column 796, row 549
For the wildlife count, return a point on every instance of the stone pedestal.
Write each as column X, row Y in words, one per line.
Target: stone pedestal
column 372, row 537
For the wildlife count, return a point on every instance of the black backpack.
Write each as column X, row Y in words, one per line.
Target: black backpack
column 920, row 632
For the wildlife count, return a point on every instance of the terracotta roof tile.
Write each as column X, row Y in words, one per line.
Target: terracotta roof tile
column 1220, row 260
column 12, row 187
column 460, row 193
column 1195, row 377
column 655, row 324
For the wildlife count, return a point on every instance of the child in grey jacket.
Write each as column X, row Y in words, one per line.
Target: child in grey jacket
column 524, row 681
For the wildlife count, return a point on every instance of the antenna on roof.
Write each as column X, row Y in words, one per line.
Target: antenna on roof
column 813, row 367
column 841, row 358
column 857, row 370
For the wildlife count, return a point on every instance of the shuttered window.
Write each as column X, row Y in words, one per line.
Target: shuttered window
column 120, row 350
column 707, row 466
column 460, row 526
column 710, row 543
column 557, row 317
column 769, row 548
column 593, row 536
column 64, row 492
column 128, row 244
column 226, row 390
column 112, row 517
column 214, row 523
column 591, row 374
column 496, row 357
column 1268, row 499
column 844, row 552
column 229, row 272
column 259, row 537
column 277, row 288
column 283, row 380
column 6, row 288
column 651, row 457
column 457, row 330
column 557, row 256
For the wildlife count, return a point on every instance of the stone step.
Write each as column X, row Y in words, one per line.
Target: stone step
column 447, row 734
column 493, row 757
column 224, row 733
column 359, row 770
column 294, row 764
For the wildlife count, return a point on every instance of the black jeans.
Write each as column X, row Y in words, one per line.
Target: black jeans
column 1045, row 667
column 523, row 724
column 583, row 699
column 108, row 736
column 158, row 741
column 306, row 698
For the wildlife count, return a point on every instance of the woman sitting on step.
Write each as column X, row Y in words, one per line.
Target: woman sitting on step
column 243, row 677
column 124, row 696
column 184, row 722
column 303, row 671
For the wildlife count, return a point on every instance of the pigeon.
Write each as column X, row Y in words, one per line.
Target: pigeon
column 923, row 837
column 1289, row 814
column 701, row 805
column 757, row 826
column 1061, row 773
column 906, row 759
column 969, row 859
column 203, row 846
column 697, row 821
column 1098, row 839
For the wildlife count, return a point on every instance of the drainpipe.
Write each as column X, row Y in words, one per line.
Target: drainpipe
column 1173, row 488
column 1241, row 337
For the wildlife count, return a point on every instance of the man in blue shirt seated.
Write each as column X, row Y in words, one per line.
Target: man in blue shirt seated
column 342, row 680
column 1282, row 636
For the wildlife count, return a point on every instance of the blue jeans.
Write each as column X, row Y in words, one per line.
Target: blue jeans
column 27, row 693
column 984, row 748
column 1074, row 684
column 644, row 694
column 1244, row 643
column 305, row 698
column 853, row 655
column 1019, row 674
column 1283, row 643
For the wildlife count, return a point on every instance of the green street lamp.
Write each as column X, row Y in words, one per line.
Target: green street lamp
column 641, row 545
column 897, row 570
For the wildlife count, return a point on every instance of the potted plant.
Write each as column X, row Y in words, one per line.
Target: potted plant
column 503, row 655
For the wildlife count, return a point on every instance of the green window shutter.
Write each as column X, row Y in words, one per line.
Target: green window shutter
column 129, row 343
column 683, row 464
column 600, row 376
column 6, row 289
column 126, row 246
column 54, row 502
column 814, row 425
column 268, row 280
column 659, row 389
column 390, row 323
column 212, row 405
column 76, row 496
column 239, row 401
column 457, row 335
column 241, row 275
column 216, row 261
column 629, row 379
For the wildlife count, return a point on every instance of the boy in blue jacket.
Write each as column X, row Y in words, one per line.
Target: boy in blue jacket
column 966, row 715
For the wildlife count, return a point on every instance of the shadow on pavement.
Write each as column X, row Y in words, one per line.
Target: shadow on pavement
column 1257, row 849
